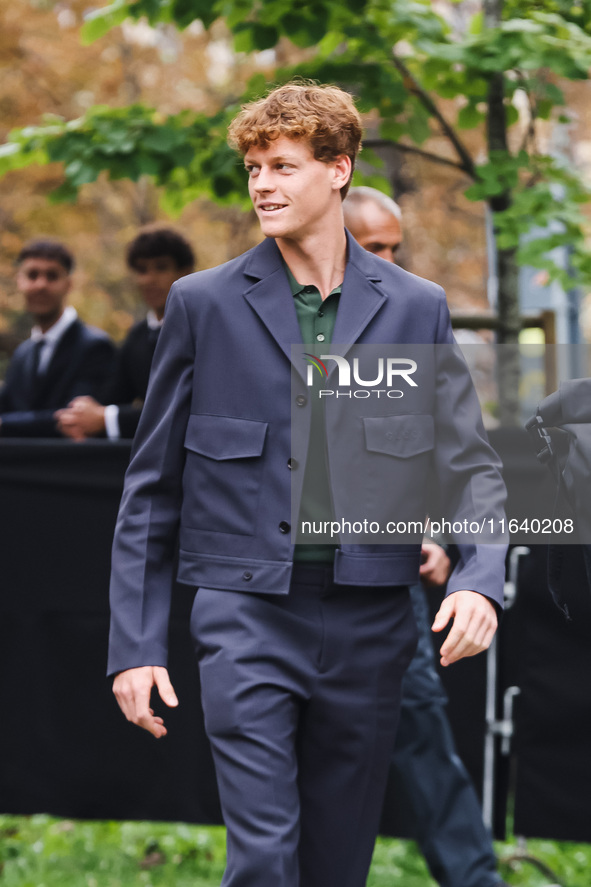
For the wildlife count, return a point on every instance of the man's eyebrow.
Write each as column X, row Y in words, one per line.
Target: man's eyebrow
column 278, row 158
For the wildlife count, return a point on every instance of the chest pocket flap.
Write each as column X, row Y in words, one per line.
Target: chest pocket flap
column 401, row 436
column 225, row 437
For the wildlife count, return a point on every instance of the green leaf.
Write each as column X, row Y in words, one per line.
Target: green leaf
column 469, row 117
column 305, row 30
column 79, row 173
column 392, row 129
column 162, row 139
column 417, row 127
column 100, row 21
column 264, row 36
column 243, row 39
column 476, row 24
column 512, row 115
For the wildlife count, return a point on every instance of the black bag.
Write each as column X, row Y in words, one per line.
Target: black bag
column 566, row 450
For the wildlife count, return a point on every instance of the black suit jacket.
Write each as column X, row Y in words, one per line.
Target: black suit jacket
column 132, row 373
column 81, row 364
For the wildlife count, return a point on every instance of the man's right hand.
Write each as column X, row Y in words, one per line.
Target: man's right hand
column 133, row 689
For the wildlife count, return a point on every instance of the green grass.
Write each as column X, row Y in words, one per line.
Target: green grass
column 40, row 851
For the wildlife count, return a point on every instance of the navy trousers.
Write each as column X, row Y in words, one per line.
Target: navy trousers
column 301, row 695
column 444, row 809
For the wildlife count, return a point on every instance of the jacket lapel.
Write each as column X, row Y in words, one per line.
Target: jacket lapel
column 30, row 378
column 360, row 299
column 270, row 296
column 60, row 366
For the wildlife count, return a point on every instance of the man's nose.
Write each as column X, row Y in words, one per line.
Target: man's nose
column 264, row 181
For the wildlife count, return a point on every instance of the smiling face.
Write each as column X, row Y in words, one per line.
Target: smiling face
column 44, row 283
column 294, row 195
column 154, row 278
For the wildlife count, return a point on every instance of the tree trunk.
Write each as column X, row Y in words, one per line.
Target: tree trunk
column 509, row 369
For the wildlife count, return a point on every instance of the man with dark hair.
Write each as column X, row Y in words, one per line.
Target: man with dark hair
column 159, row 242
column 443, row 809
column 301, row 663
column 62, row 359
column 51, row 250
column 157, row 257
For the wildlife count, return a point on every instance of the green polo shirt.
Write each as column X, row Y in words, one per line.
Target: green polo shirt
column 316, row 319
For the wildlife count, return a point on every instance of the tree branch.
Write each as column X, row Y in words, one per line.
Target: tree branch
column 466, row 162
column 411, row 149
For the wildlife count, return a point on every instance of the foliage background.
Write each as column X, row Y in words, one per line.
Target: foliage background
column 46, row 70
column 477, row 87
column 39, row 851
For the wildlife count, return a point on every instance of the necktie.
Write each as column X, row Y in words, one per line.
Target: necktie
column 39, row 346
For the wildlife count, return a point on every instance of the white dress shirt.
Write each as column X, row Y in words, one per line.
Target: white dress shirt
column 52, row 336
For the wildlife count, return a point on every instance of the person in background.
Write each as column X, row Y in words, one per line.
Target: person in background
column 156, row 257
column 63, row 357
column 445, row 810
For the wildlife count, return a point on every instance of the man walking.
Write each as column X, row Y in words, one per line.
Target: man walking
column 301, row 659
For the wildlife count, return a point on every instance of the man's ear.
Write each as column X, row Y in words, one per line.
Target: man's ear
column 342, row 170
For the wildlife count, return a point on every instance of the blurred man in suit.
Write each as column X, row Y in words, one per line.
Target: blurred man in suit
column 444, row 811
column 156, row 257
column 62, row 359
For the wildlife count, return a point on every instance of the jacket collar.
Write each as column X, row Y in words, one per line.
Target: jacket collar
column 269, row 295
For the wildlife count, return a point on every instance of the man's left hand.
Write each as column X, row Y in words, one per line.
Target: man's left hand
column 435, row 565
column 84, row 417
column 474, row 625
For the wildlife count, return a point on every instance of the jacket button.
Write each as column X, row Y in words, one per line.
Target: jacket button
column 284, row 527
column 247, row 575
column 292, row 463
column 301, row 400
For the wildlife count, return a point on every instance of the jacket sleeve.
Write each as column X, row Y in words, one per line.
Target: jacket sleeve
column 129, row 417
column 145, row 535
column 17, row 422
column 29, row 423
column 4, row 398
column 471, row 487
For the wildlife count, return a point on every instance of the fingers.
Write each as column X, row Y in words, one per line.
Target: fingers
column 444, row 614
column 436, row 565
column 83, row 417
column 67, row 423
column 133, row 688
column 474, row 625
column 165, row 688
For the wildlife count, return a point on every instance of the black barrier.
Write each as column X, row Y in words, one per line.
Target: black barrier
column 66, row 749
column 553, row 739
